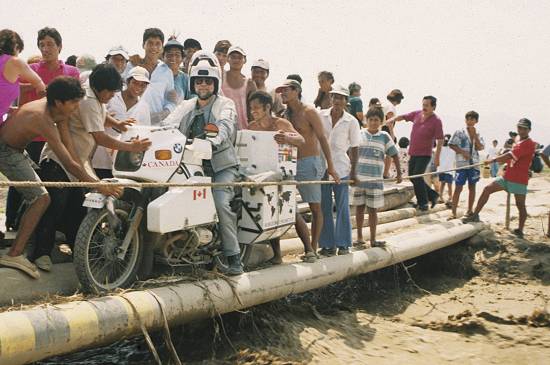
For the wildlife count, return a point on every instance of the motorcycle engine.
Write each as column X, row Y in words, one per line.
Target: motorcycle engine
column 182, row 247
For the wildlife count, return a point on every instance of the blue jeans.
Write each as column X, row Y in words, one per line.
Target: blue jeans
column 494, row 169
column 226, row 216
column 335, row 234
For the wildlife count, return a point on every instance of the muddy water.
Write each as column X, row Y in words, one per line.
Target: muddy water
column 481, row 301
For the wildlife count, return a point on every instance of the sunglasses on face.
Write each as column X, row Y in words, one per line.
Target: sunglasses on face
column 206, row 81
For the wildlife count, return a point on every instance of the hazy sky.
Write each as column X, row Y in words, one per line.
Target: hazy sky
column 489, row 56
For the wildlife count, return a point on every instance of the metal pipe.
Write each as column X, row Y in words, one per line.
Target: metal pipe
column 42, row 332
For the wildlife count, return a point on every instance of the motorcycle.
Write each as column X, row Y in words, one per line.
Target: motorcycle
column 121, row 240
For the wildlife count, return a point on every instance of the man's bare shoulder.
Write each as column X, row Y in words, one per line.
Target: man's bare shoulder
column 284, row 125
column 34, row 109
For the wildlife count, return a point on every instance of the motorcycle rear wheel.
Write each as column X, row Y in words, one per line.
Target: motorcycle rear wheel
column 96, row 263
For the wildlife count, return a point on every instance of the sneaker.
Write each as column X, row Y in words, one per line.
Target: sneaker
column 471, row 218
column 21, row 263
column 44, row 263
column 518, row 233
column 343, row 251
column 423, row 208
column 235, row 267
column 327, row 252
column 309, row 257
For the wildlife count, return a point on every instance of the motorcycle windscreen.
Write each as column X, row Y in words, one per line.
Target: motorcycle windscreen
column 182, row 208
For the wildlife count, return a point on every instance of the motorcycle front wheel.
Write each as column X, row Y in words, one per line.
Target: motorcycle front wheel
column 97, row 245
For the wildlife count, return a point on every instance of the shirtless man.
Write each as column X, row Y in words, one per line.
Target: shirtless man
column 309, row 165
column 47, row 118
column 260, row 108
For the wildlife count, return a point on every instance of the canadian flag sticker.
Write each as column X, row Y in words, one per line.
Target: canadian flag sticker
column 199, row 194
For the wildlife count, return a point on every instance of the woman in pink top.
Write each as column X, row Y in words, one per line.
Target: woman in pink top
column 11, row 69
column 236, row 86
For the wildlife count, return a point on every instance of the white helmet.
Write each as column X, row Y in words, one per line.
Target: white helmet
column 205, row 64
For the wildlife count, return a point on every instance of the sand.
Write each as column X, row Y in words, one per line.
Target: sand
column 485, row 300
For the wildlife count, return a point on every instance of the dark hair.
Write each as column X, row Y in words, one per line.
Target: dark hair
column 49, row 32
column 375, row 111
column 472, row 115
column 222, row 46
column 294, row 77
column 9, row 41
column 395, row 96
column 374, row 101
column 353, row 87
column 327, row 75
column 262, row 97
column 71, row 60
column 432, row 99
column 403, row 142
column 105, row 77
column 63, row 88
column 153, row 33
column 191, row 43
column 494, row 140
column 446, row 139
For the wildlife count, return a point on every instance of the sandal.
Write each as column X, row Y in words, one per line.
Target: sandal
column 518, row 233
column 378, row 244
column 21, row 263
column 309, row 257
column 359, row 243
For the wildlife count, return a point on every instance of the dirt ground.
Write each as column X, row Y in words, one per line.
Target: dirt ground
column 485, row 300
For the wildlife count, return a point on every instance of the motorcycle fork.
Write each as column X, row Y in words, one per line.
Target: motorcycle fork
column 132, row 230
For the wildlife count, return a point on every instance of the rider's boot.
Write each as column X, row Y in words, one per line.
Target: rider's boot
column 235, row 267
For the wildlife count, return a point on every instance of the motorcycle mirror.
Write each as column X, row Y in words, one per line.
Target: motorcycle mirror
column 211, row 130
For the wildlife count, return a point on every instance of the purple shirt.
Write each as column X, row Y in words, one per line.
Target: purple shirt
column 9, row 91
column 423, row 133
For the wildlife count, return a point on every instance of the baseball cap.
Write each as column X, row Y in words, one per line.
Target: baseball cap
column 524, row 123
column 236, row 49
column 118, row 50
column 173, row 43
column 261, row 64
column 340, row 90
column 139, row 73
column 289, row 83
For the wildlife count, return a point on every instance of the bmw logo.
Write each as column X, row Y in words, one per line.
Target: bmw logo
column 177, row 148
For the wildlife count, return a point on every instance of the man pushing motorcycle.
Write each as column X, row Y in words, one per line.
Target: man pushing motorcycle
column 209, row 107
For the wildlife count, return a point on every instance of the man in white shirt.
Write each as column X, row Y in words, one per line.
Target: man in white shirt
column 343, row 134
column 161, row 77
column 126, row 104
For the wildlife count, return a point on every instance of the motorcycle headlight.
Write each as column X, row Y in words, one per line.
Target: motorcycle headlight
column 128, row 161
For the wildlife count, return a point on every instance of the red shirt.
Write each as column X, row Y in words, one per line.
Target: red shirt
column 517, row 169
column 423, row 133
column 47, row 76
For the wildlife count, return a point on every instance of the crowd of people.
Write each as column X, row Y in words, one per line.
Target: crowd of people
column 60, row 122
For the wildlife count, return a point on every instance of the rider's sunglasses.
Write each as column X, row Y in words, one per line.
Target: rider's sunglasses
column 205, row 80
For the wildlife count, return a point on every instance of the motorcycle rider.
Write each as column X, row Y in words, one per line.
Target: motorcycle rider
column 208, row 106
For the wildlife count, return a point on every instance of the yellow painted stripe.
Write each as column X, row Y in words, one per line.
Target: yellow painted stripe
column 83, row 323
column 144, row 303
column 16, row 336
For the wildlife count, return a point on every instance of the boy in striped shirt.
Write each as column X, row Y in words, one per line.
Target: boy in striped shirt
column 375, row 145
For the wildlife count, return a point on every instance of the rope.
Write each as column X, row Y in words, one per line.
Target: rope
column 249, row 184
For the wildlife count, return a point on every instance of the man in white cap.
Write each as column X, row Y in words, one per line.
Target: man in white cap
column 124, row 105
column 118, row 57
column 260, row 72
column 309, row 167
column 237, row 86
column 343, row 134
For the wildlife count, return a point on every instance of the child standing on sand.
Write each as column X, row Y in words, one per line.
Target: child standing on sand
column 466, row 143
column 375, row 145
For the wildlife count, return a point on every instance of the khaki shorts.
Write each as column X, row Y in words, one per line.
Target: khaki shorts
column 16, row 166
